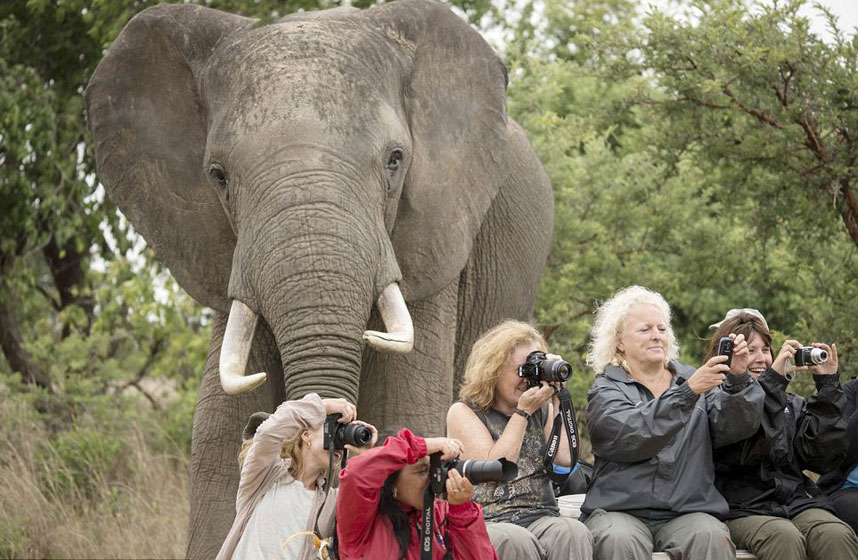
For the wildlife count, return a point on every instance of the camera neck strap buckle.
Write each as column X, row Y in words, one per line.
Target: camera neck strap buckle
column 564, row 417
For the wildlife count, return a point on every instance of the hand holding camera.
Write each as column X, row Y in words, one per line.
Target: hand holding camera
column 821, row 358
column 545, row 374
column 709, row 375
column 344, row 408
column 532, row 400
column 828, row 366
column 449, row 448
column 459, row 488
column 735, row 347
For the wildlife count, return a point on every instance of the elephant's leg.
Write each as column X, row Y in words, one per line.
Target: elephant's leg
column 414, row 390
column 218, row 421
column 504, row 271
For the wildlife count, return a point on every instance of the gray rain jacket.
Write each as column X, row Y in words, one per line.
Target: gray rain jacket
column 653, row 457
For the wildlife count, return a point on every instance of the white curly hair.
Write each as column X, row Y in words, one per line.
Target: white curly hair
column 610, row 321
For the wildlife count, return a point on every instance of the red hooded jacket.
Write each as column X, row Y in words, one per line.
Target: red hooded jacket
column 365, row 534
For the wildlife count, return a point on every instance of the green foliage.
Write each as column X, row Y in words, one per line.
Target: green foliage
column 85, row 458
column 657, row 184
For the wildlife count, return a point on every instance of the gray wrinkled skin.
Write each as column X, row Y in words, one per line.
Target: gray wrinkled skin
column 253, row 159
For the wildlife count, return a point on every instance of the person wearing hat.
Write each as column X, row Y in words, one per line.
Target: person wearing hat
column 282, row 493
column 776, row 511
column 653, row 423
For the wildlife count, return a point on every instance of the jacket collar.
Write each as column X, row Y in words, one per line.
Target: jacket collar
column 678, row 369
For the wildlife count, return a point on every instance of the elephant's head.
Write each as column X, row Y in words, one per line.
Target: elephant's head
column 303, row 171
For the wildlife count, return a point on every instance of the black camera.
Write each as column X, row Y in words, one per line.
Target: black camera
column 337, row 435
column 809, row 356
column 538, row 368
column 725, row 348
column 500, row 470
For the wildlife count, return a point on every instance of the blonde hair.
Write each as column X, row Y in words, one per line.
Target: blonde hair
column 290, row 449
column 488, row 356
column 610, row 321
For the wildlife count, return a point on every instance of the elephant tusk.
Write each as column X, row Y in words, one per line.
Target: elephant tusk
column 399, row 337
column 237, row 339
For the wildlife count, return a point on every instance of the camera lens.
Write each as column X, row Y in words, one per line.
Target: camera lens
column 808, row 355
column 486, row 471
column 557, row 370
column 354, row 434
column 818, row 356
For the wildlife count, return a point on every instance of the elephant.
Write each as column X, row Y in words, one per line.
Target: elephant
column 344, row 188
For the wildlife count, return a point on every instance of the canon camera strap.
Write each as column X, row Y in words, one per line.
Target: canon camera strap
column 566, row 416
column 428, row 528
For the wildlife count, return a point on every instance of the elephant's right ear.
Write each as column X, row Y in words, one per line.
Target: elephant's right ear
column 149, row 125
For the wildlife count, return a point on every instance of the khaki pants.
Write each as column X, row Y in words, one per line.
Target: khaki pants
column 814, row 533
column 693, row 536
column 547, row 538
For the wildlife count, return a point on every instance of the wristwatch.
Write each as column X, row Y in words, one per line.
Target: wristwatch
column 522, row 413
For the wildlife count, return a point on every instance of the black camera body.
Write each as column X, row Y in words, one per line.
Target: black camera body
column 810, row 356
column 500, row 470
column 725, row 348
column 538, row 368
column 337, row 435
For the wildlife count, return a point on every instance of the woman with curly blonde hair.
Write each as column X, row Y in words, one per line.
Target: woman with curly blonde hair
column 499, row 416
column 653, row 423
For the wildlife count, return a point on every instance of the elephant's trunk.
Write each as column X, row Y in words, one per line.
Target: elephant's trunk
column 241, row 325
column 311, row 260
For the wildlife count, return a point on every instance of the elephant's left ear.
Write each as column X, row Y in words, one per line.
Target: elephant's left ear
column 456, row 106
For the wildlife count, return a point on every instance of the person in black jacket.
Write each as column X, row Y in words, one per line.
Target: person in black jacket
column 776, row 511
column 653, row 422
column 841, row 484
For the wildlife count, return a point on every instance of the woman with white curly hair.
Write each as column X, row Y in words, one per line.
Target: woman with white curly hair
column 653, row 423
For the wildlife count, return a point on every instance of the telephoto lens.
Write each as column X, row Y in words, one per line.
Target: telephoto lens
column 809, row 356
column 485, row 471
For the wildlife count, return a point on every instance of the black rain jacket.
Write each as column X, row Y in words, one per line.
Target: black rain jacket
column 762, row 475
column 834, row 479
column 653, row 456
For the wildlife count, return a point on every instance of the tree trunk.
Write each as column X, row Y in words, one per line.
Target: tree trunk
column 19, row 359
column 67, row 270
column 849, row 210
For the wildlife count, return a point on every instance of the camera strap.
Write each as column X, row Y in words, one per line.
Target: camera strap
column 428, row 529
column 332, row 549
column 565, row 416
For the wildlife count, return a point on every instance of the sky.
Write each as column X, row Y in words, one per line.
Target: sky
column 845, row 10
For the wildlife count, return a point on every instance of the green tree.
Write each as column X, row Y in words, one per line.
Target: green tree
column 757, row 89
column 706, row 204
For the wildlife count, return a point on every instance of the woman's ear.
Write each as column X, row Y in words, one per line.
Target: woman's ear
column 456, row 107
column 150, row 127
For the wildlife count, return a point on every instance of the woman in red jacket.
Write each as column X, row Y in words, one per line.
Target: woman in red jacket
column 381, row 498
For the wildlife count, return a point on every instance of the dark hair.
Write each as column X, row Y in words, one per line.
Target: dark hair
column 389, row 506
column 743, row 323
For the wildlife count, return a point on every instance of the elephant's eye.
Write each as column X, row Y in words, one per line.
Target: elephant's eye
column 393, row 160
column 219, row 177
